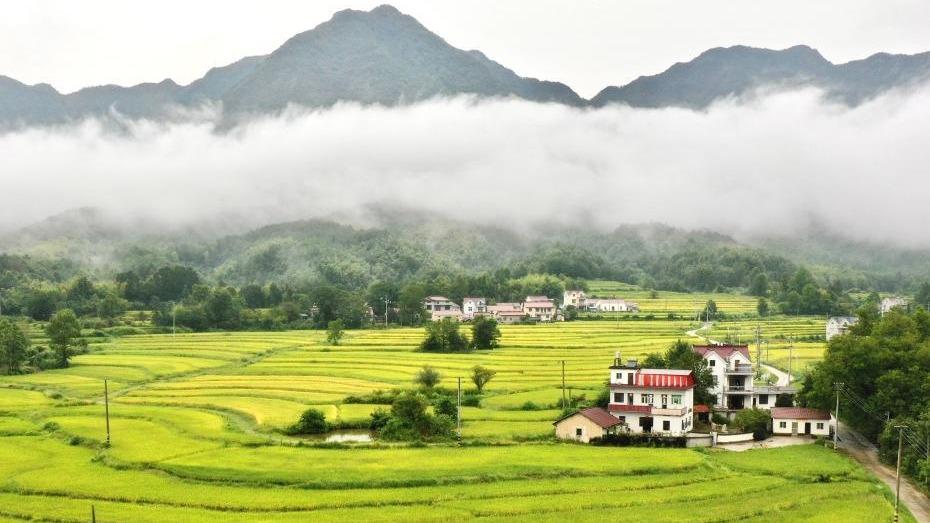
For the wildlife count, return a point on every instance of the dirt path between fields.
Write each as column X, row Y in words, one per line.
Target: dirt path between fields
column 866, row 454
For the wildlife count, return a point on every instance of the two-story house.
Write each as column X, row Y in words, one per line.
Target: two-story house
column 575, row 298
column 733, row 374
column 651, row 400
column 440, row 307
column 539, row 308
column 889, row 303
column 472, row 305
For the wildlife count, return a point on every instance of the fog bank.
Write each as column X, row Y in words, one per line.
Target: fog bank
column 768, row 166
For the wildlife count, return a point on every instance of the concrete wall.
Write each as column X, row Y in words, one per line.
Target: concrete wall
column 734, row 438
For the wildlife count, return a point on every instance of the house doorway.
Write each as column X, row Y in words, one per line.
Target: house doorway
column 807, row 428
column 645, row 423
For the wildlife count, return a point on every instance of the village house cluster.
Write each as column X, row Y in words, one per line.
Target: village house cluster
column 533, row 308
column 661, row 401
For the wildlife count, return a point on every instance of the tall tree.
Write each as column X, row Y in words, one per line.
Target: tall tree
column 63, row 329
column 484, row 333
column 480, row 376
column 13, row 346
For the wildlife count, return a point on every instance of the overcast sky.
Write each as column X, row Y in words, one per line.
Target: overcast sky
column 587, row 44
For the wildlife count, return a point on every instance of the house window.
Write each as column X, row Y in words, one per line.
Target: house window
column 820, row 426
column 715, row 380
column 646, row 399
column 711, row 363
column 676, row 399
column 623, row 419
column 579, row 431
column 619, row 376
column 629, row 398
column 618, row 397
column 666, row 425
column 782, row 424
column 764, row 399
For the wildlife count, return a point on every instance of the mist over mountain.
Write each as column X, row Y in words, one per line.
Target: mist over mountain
column 386, row 57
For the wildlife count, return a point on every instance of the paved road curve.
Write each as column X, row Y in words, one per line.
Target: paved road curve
column 865, row 453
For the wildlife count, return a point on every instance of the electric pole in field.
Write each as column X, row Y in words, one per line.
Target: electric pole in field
column 564, row 404
column 759, row 343
column 386, row 302
column 836, row 432
column 106, row 408
column 897, row 487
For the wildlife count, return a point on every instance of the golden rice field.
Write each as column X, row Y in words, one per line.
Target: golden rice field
column 194, row 422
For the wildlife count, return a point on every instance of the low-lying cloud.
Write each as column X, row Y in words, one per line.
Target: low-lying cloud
column 767, row 166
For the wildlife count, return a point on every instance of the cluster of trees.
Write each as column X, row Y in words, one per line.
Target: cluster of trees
column 798, row 293
column 18, row 355
column 884, row 366
column 446, row 335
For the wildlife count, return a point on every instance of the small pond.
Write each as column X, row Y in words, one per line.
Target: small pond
column 344, row 436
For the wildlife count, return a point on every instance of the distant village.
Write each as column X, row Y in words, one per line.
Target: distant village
column 532, row 309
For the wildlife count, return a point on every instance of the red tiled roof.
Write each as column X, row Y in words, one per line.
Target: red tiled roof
column 701, row 409
column 596, row 414
column 645, row 409
column 725, row 351
column 799, row 413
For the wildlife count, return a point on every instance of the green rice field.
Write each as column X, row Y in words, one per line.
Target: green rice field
column 195, row 423
column 667, row 302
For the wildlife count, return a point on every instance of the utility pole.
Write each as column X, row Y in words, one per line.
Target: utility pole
column 759, row 343
column 386, row 302
column 174, row 320
column 836, row 432
column 790, row 358
column 564, row 404
column 458, row 410
column 106, row 407
column 897, row 487
column 93, row 515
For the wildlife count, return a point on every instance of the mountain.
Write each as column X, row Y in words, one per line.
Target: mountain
column 738, row 71
column 377, row 57
column 381, row 56
column 385, row 57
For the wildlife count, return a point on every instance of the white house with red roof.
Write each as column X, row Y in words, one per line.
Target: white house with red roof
column 659, row 401
column 797, row 421
column 734, row 375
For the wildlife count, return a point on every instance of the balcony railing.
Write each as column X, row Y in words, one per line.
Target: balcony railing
column 741, row 368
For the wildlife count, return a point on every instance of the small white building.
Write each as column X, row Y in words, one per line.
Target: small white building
column 575, row 298
column 611, row 305
column 586, row 424
column 889, row 303
column 472, row 305
column 838, row 325
column 798, row 421
column 659, row 401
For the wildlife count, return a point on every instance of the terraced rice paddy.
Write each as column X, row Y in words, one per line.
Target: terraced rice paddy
column 194, row 422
